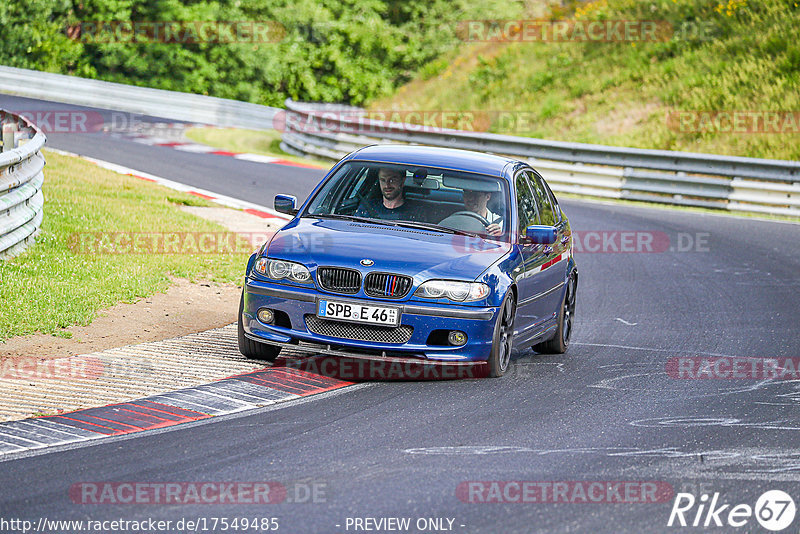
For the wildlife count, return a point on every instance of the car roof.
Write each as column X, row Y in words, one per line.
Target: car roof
column 429, row 156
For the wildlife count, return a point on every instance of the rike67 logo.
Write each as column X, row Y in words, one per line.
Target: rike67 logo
column 774, row 510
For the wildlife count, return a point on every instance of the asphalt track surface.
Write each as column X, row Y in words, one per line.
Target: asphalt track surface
column 255, row 182
column 607, row 410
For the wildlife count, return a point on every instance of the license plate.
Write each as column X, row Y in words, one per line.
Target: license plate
column 359, row 313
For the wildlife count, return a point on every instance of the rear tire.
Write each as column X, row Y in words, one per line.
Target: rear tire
column 502, row 341
column 566, row 317
column 253, row 349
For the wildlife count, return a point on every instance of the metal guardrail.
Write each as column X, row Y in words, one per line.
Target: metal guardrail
column 683, row 178
column 21, row 178
column 330, row 131
column 132, row 99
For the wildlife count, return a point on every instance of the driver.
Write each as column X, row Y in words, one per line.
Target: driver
column 394, row 206
column 476, row 201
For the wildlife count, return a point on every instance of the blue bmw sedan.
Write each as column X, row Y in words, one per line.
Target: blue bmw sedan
column 415, row 252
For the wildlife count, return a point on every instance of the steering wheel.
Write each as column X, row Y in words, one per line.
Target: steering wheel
column 468, row 221
column 472, row 214
column 368, row 205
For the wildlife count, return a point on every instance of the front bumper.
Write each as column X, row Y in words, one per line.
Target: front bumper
column 297, row 303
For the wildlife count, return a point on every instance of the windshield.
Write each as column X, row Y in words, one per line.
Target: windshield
column 425, row 196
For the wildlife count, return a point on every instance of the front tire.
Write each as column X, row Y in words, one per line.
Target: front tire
column 502, row 341
column 566, row 317
column 253, row 349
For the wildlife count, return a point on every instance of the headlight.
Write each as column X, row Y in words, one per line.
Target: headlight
column 457, row 291
column 279, row 269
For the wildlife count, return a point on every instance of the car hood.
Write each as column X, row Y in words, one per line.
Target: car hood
column 422, row 254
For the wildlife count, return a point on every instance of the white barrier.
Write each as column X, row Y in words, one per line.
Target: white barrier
column 21, row 179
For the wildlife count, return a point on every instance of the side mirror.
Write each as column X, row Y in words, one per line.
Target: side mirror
column 541, row 235
column 286, row 204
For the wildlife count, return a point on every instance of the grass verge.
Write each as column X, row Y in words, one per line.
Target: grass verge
column 727, row 57
column 264, row 142
column 55, row 284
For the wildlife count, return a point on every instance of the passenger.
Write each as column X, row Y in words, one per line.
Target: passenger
column 394, row 205
column 477, row 202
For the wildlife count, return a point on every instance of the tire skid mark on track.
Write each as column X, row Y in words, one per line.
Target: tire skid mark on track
column 235, row 394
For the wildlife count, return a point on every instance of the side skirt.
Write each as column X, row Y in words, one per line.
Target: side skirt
column 540, row 335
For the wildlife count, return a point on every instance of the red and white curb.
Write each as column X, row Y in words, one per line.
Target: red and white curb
column 197, row 148
column 231, row 395
column 144, row 387
column 248, row 207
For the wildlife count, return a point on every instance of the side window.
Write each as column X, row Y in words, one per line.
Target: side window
column 351, row 190
column 554, row 200
column 526, row 204
column 547, row 214
column 355, row 186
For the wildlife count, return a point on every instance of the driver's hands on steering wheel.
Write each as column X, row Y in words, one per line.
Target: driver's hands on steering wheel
column 457, row 220
column 494, row 229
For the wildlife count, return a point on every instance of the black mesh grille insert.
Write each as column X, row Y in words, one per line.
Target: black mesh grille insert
column 387, row 285
column 359, row 332
column 339, row 280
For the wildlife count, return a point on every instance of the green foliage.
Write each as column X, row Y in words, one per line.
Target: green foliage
column 323, row 50
column 433, row 68
column 34, row 37
column 719, row 55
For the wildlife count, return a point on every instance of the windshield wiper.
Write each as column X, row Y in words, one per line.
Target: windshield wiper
column 435, row 227
column 343, row 217
column 337, row 216
column 464, row 232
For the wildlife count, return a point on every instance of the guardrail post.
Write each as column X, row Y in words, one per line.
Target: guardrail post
column 9, row 136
